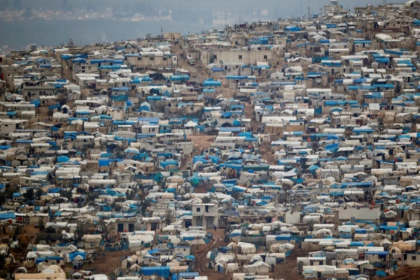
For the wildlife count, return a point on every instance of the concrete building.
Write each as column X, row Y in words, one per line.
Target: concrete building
column 205, row 215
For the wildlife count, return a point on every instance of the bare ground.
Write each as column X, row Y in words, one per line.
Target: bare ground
column 404, row 273
column 200, row 253
column 267, row 154
column 105, row 265
column 289, row 270
column 201, row 142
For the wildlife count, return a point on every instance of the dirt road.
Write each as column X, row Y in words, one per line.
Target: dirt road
column 289, row 270
column 404, row 273
column 201, row 261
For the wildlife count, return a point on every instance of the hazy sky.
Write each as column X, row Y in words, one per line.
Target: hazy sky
column 112, row 20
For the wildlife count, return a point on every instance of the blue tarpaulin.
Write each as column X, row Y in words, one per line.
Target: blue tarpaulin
column 77, row 253
column 7, row 215
column 151, row 252
column 164, row 164
column 62, row 159
column 212, row 83
column 162, row 271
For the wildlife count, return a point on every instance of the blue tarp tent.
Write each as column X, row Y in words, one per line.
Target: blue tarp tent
column 77, row 253
column 292, row 29
column 162, row 271
column 164, row 164
column 7, row 215
column 62, row 159
column 212, row 83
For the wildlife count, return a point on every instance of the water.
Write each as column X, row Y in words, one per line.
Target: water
column 18, row 35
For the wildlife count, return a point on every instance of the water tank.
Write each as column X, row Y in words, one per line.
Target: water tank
column 33, row 47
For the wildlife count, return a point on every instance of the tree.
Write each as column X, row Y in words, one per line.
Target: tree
column 30, row 194
column 144, row 205
column 300, row 267
column 115, row 206
column 91, row 196
column 39, row 193
column 168, row 217
column 249, row 202
column 2, row 199
column 67, row 194
column 80, row 231
column 60, row 200
column 206, row 199
column 2, row 261
column 236, row 195
column 16, row 233
column 41, row 224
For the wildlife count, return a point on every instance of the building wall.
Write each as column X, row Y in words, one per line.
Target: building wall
column 7, row 128
column 205, row 215
column 147, row 62
column 123, row 226
column 362, row 213
column 37, row 91
column 84, row 68
column 171, row 35
column 40, row 276
column 34, row 220
column 413, row 260
column 207, row 222
column 235, row 56
column 183, row 250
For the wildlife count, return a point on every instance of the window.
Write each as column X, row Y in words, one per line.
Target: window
column 413, row 258
column 207, row 209
column 265, row 56
column 240, row 57
column 198, row 209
